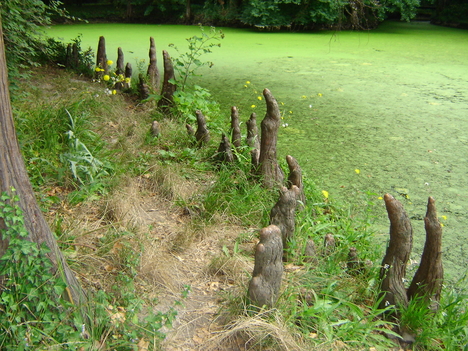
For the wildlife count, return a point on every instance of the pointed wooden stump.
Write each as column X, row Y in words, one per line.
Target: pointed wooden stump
column 143, row 88
column 310, row 252
column 235, row 128
column 253, row 140
column 153, row 71
column 224, row 154
column 120, row 69
column 168, row 88
column 128, row 76
column 268, row 270
column 268, row 162
column 393, row 269
column 283, row 214
column 202, row 134
column 295, row 178
column 101, row 58
column 427, row 281
column 155, row 129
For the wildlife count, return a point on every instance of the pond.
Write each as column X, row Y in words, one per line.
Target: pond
column 364, row 112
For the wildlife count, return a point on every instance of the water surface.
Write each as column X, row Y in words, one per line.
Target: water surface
column 378, row 111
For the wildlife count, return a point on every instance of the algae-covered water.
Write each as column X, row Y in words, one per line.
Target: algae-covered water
column 378, row 111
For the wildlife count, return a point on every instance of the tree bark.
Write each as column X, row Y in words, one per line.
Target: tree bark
column 283, row 213
column 168, row 88
column 268, row 163
column 188, row 12
column 128, row 75
column 143, row 88
column 202, row 134
column 252, row 140
column 224, row 154
column 428, row 279
column 155, row 129
column 268, row 270
column 295, row 178
column 101, row 58
column 235, row 128
column 120, row 66
column 120, row 69
column 13, row 174
column 153, row 72
column 393, row 269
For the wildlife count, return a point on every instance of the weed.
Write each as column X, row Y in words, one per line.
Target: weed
column 35, row 314
column 186, row 64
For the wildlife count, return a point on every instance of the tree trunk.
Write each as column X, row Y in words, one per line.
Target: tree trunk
column 168, row 88
column 153, row 72
column 13, row 174
column 235, row 128
column 268, row 163
column 428, row 279
column 393, row 269
column 268, row 270
column 188, row 12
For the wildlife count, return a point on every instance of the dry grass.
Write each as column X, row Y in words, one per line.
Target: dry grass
column 258, row 331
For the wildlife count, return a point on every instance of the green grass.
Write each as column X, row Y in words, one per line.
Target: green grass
column 90, row 144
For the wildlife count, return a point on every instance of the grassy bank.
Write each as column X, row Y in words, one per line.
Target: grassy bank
column 129, row 208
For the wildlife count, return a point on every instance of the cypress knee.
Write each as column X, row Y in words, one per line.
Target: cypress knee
column 268, row 163
column 393, row 269
column 268, row 270
column 428, row 279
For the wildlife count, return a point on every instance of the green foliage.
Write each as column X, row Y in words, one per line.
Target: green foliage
column 84, row 166
column 60, row 147
column 361, row 14
column 446, row 328
column 186, row 64
column 36, row 315
column 22, row 21
column 194, row 98
column 55, row 51
column 33, row 310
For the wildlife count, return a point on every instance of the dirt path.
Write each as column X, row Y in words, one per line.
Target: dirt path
column 171, row 270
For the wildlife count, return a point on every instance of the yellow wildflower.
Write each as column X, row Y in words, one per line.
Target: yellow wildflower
column 325, row 194
column 98, row 69
column 106, row 77
column 127, row 80
column 245, row 86
column 303, row 97
column 320, row 94
column 110, row 62
column 247, row 82
column 253, row 106
column 114, row 92
column 380, row 198
column 444, row 218
column 259, row 97
column 357, row 171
